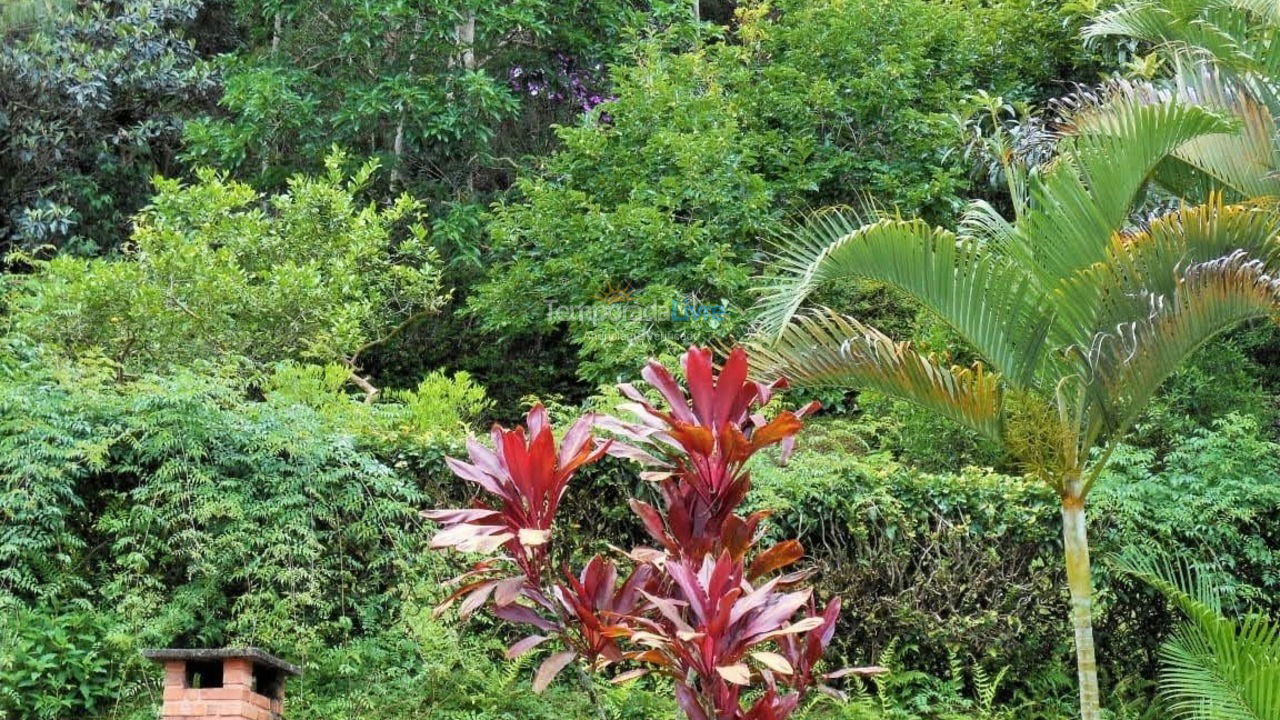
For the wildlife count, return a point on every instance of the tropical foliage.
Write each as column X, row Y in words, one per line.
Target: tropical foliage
column 266, row 266
column 1076, row 313
column 93, row 105
column 1215, row 666
column 215, row 272
column 698, row 609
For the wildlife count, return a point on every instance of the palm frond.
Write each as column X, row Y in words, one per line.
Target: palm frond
column 826, row 349
column 1194, row 594
column 1127, row 364
column 1150, row 262
column 1110, row 152
column 990, row 301
column 1204, row 29
column 1215, row 668
column 1264, row 11
column 1245, row 161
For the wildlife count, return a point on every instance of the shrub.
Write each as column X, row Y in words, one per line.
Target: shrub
column 967, row 562
column 931, row 563
column 216, row 273
column 421, row 667
column 697, row 609
column 198, row 514
column 91, row 104
column 1214, row 499
column 59, row 662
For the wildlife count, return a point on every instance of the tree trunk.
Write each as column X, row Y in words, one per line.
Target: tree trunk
column 370, row 392
column 464, row 34
column 397, row 148
column 1076, row 544
column 277, row 28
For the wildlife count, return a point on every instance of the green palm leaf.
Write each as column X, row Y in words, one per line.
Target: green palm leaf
column 1227, row 55
column 1127, row 364
column 1215, row 668
column 990, row 301
column 1216, row 30
column 826, row 349
column 1089, row 191
column 1150, row 262
column 1245, row 161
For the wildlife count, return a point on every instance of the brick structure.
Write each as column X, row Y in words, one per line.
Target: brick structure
column 225, row 684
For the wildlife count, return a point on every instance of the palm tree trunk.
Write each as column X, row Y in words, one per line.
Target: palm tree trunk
column 1076, row 544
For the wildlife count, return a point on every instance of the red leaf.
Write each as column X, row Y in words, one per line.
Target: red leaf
column 652, row 521
column 525, row 615
column 508, row 591
column 475, row 599
column 658, row 377
column 652, row 656
column 688, row 702
column 735, row 535
column 476, row 475
column 729, row 387
column 523, row 646
column 783, row 426
column 778, row 556
column 695, row 439
column 550, row 668
column 697, row 371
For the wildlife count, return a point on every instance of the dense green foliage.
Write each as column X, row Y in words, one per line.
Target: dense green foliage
column 267, row 264
column 940, row 563
column 89, row 108
column 215, row 272
column 1215, row 666
column 670, row 189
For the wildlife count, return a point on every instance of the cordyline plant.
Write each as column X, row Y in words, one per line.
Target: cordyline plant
column 703, row 609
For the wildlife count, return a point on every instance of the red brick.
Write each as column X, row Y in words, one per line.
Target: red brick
column 175, row 673
column 239, row 693
column 228, row 708
column 237, row 671
column 188, row 708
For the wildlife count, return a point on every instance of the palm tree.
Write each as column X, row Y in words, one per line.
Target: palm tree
column 1215, row 667
column 1077, row 310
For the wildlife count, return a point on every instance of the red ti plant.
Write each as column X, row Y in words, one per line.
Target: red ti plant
column 700, row 610
column 526, row 477
column 716, row 617
column 699, row 447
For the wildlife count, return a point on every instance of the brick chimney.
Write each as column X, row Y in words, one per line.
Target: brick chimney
column 225, row 684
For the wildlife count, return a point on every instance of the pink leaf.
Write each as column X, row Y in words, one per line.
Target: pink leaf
column 525, row 615
column 508, row 590
column 475, row 600
column 688, row 702
column 551, row 668
column 871, row 671
column 523, row 646
column 738, row 674
column 629, row 675
column 774, row 662
column 460, row 515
